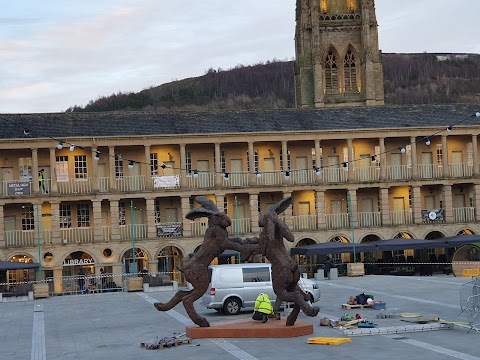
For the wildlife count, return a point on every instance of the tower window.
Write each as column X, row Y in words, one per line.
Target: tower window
column 331, row 74
column 350, row 72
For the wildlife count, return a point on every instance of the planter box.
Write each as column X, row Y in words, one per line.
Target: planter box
column 357, row 269
column 135, row 284
column 40, row 291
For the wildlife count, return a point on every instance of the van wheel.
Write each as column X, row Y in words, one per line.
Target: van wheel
column 232, row 306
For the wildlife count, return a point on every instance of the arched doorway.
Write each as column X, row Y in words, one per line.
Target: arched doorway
column 131, row 264
column 307, row 264
column 169, row 258
column 438, row 254
column 466, row 232
column 76, row 261
column 12, row 277
column 400, row 256
column 341, row 258
column 370, row 257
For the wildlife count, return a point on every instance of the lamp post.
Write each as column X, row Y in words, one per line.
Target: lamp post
column 38, row 242
column 134, row 270
column 352, row 225
column 237, row 223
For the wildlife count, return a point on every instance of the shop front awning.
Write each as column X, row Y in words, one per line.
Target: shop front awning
column 10, row 265
column 332, row 247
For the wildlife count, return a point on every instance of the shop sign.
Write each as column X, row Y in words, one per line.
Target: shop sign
column 18, row 188
column 169, row 230
column 166, row 182
column 75, row 262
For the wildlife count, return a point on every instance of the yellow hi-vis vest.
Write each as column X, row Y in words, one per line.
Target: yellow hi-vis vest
column 263, row 305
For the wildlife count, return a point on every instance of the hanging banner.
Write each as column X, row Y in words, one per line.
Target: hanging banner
column 61, row 170
column 18, row 188
column 167, row 181
column 169, row 230
column 433, row 215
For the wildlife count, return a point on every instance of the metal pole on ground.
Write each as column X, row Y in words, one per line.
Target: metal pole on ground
column 352, row 225
column 38, row 242
column 134, row 267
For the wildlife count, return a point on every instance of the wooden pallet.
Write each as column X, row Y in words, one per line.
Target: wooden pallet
column 351, row 307
column 328, row 341
column 160, row 345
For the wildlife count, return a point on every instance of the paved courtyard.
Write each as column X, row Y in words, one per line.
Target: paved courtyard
column 112, row 326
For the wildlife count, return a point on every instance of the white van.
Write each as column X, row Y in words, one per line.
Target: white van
column 235, row 286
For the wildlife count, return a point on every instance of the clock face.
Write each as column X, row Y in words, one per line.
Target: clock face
column 432, row 215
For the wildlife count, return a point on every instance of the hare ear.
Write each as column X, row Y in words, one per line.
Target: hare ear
column 198, row 213
column 281, row 205
column 206, row 203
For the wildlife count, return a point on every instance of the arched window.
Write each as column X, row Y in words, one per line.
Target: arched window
column 331, row 74
column 350, row 73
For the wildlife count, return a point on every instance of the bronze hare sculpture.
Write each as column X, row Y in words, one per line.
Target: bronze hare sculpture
column 196, row 271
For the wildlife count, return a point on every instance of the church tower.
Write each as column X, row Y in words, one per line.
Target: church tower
column 338, row 61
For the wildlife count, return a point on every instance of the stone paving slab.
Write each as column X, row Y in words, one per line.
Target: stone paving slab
column 112, row 326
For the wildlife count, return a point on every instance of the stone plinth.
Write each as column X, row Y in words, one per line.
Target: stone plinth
column 250, row 329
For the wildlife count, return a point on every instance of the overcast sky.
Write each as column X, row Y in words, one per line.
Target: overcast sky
column 58, row 53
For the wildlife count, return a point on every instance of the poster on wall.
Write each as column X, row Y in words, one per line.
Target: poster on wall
column 25, row 169
column 167, row 230
column 61, row 171
column 166, row 182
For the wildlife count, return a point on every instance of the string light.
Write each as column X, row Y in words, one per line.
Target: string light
column 287, row 174
column 258, row 175
column 402, row 149
column 345, row 166
column 163, row 166
column 60, row 145
column 318, row 171
column 225, row 176
column 449, row 128
column 72, row 147
column 427, row 141
column 477, row 114
column 130, row 164
column 374, row 159
column 97, row 156
column 195, row 174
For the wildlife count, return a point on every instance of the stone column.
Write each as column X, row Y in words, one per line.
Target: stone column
column 187, row 229
column 317, row 160
column 414, row 157
column 288, row 213
column 220, row 202
column 147, row 169
column 285, row 155
column 448, row 203
column 385, row 206
column 254, row 215
column 53, row 174
column 96, row 180
column 251, row 161
column 383, row 159
column 446, row 173
column 113, row 175
column 183, row 166
column 320, row 209
column 151, row 226
column 115, row 233
column 2, row 227
column 218, row 166
column 35, row 186
column 56, row 233
column 351, row 165
column 475, row 155
column 37, row 218
column 477, row 202
column 97, row 221
column 417, row 204
column 353, row 207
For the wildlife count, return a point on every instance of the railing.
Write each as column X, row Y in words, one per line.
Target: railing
column 16, row 238
column 271, row 178
column 398, row 172
column 401, row 217
column 45, row 186
column 367, row 173
column 5, row 187
column 76, row 235
column 75, row 186
column 106, row 233
column 460, row 170
column 464, row 214
column 304, row 222
column 236, row 180
column 104, row 184
column 303, row 177
column 198, row 228
column 334, row 175
column 366, row 219
column 131, row 183
column 430, row 171
column 334, row 221
column 202, row 181
column 240, row 226
column 140, row 231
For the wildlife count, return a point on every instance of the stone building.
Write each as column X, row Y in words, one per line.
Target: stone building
column 114, row 183
column 338, row 61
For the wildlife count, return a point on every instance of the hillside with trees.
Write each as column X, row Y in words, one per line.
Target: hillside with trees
column 409, row 79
